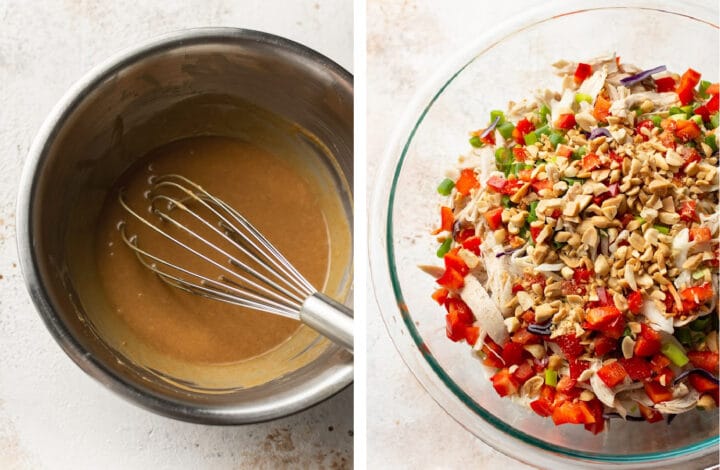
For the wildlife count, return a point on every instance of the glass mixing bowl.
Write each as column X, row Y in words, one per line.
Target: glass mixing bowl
column 509, row 63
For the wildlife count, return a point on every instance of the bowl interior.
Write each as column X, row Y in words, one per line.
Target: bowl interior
column 264, row 90
column 509, row 65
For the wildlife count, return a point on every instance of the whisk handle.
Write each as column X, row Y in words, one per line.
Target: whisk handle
column 329, row 318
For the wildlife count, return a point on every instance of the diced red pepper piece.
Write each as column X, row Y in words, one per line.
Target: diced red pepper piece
column 454, row 327
column 565, row 121
column 451, row 279
column 703, row 112
column 440, row 295
column 635, row 302
column 658, row 363
column 572, row 413
column 648, row 341
column 540, row 185
column 686, row 88
column 523, row 127
column 472, row 244
column 645, row 124
column 578, row 367
column 707, row 360
column 493, row 354
column 601, row 111
column 704, row 385
column 637, row 368
column 489, row 139
column 665, row 376
column 657, row 392
column 687, row 130
column 600, row 317
column 566, row 384
column 693, row 297
column 494, row 218
column 582, row 275
column 504, row 383
column 700, row 234
column 522, row 337
column 454, row 261
column 496, row 183
column 570, row 346
column 525, row 175
column 472, row 333
column 712, row 104
column 603, row 345
column 512, row 353
column 612, row 374
column 687, row 211
column 591, row 162
column 535, row 231
column 564, row 151
column 664, row 84
column 524, row 372
column 596, row 409
column 446, row 220
column 519, row 153
column 571, row 287
column 650, row 415
column 544, row 404
column 713, row 89
column 466, row 182
column 582, row 72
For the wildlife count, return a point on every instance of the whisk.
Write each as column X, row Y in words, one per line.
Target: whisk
column 261, row 279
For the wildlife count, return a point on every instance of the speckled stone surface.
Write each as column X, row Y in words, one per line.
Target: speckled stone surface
column 53, row 416
column 406, row 42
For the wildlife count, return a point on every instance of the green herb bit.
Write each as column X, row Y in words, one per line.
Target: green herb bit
column 579, row 153
column 558, row 245
column 675, row 354
column 532, row 216
column 711, row 142
column 506, row 129
column 580, row 97
column 476, row 142
column 627, row 331
column 505, row 201
column 551, row 377
column 697, row 119
column 496, row 113
column 688, row 109
column 675, row 110
column 640, row 219
column 683, row 335
column 503, row 159
column 715, row 120
column 530, row 138
column 544, row 130
column 572, row 181
column 444, row 248
column 445, row 186
column 702, row 88
column 544, row 112
column 556, row 138
column 661, row 228
column 700, row 324
column 657, row 120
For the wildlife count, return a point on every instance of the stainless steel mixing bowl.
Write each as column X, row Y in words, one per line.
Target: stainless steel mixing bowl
column 182, row 84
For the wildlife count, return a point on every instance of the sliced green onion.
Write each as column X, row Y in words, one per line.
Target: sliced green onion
column 572, row 181
column 580, row 97
column 525, row 232
column 505, row 201
column 675, row 110
column 505, row 129
column 558, row 245
column 661, row 228
column 675, row 354
column 711, row 142
column 697, row 119
column 544, row 130
column 550, row 377
column 556, row 138
column 579, row 153
column 476, row 142
column 702, row 88
column 532, row 216
column 530, row 138
column 679, row 117
column 640, row 219
column 444, row 248
column 496, row 113
column 656, row 120
column 700, row 323
column 687, row 109
column 627, row 331
column 544, row 112
column 715, row 120
column 445, row 186
column 504, row 159
column 683, row 335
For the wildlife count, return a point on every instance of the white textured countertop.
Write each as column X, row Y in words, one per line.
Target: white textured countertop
column 53, row 416
column 407, row 42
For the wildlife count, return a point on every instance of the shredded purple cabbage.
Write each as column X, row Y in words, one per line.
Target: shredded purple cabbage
column 598, row 131
column 543, row 330
column 506, row 252
column 639, row 77
column 490, row 128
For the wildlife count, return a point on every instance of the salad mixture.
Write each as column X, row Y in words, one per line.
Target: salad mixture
column 580, row 245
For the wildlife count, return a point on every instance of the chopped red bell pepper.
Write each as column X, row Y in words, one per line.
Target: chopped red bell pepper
column 535, row 231
column 635, row 302
column 451, row 279
column 446, row 220
column 572, row 413
column 603, row 345
column 522, row 336
column 454, row 261
column 496, row 183
column 658, row 363
column 648, row 341
column 686, row 88
column 687, row 211
column 700, row 234
column 644, row 124
column 489, row 139
column 545, row 403
column 582, row 72
column 519, row 153
column 472, row 244
column 664, row 84
column 582, row 275
column 693, row 297
column 704, row 385
column 472, row 333
column 599, row 317
column 525, row 175
column 601, row 111
column 542, row 184
column 494, row 218
column 512, row 353
column 713, row 89
column 565, row 121
column 591, row 162
column 657, row 392
column 466, row 182
column 564, row 151
column 504, row 383
column 570, row 346
column 651, row 415
column 440, row 295
column 454, row 327
column 523, row 372
column 577, row 367
column 712, row 104
column 493, row 354
column 687, row 130
column 596, row 409
column 707, row 360
column 612, row 374
column 636, row 367
column 566, row 384
column 703, row 112
column 523, row 127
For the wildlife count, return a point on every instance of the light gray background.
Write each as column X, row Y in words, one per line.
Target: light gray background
column 53, row 416
column 406, row 42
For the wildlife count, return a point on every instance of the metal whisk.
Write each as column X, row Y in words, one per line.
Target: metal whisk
column 262, row 279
